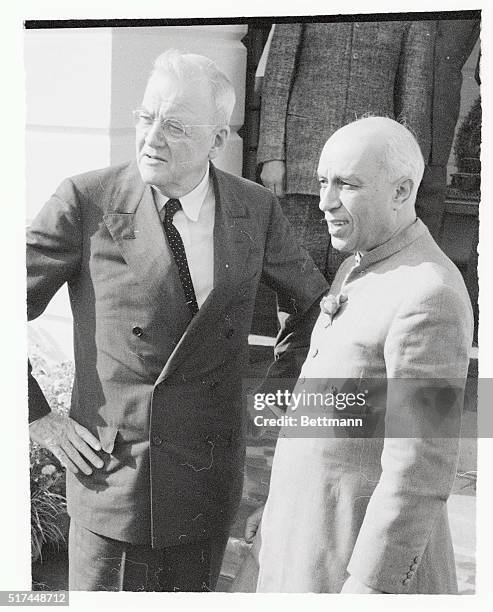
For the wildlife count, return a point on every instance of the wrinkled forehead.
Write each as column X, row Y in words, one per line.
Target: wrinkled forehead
column 351, row 153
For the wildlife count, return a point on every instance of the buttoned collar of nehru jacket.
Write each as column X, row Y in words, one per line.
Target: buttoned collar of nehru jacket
column 195, row 224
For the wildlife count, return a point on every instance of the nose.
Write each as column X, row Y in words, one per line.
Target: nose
column 329, row 198
column 154, row 136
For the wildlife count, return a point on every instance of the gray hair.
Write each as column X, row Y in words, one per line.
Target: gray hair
column 190, row 66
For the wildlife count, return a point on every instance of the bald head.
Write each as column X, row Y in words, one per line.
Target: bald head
column 369, row 173
column 389, row 145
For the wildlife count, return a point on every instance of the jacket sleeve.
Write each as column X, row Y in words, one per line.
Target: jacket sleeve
column 414, row 86
column 289, row 270
column 54, row 246
column 427, row 356
column 276, row 87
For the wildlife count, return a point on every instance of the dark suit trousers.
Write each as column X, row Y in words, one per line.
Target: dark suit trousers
column 99, row 563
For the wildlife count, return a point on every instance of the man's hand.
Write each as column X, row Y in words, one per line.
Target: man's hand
column 70, row 442
column 353, row 585
column 252, row 523
column 272, row 176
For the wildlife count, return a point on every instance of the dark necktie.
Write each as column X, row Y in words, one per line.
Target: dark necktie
column 176, row 245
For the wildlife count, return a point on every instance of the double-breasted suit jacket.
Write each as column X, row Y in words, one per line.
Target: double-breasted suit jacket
column 161, row 392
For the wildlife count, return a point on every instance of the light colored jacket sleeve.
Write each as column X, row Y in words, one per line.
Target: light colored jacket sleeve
column 276, row 87
column 428, row 346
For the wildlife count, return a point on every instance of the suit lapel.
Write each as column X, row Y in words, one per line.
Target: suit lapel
column 233, row 242
column 134, row 224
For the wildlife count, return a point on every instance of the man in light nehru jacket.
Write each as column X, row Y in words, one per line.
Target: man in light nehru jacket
column 365, row 510
column 162, row 258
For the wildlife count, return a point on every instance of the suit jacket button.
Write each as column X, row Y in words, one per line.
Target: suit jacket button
column 156, row 440
column 417, row 559
column 406, row 582
column 137, row 331
column 230, row 333
column 410, row 574
column 414, row 567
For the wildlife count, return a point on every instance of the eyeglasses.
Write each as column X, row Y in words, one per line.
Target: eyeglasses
column 171, row 128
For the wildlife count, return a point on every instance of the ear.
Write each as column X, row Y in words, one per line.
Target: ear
column 220, row 140
column 402, row 193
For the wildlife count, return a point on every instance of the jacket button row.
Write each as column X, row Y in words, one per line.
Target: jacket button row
column 137, row 331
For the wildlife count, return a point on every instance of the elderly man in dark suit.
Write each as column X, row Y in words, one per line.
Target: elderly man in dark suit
column 162, row 258
column 321, row 76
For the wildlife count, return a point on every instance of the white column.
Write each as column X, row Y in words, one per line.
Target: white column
column 81, row 86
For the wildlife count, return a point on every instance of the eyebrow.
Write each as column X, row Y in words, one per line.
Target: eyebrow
column 348, row 178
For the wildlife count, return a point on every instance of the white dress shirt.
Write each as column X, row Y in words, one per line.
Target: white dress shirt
column 195, row 223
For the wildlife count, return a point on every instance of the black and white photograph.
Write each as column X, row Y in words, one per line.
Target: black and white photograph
column 251, row 298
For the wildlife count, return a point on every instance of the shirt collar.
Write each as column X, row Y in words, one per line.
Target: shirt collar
column 191, row 202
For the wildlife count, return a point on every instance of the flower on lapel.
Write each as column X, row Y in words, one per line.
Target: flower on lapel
column 330, row 305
